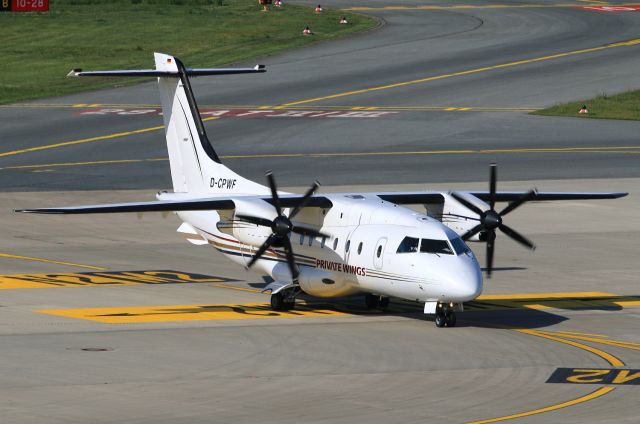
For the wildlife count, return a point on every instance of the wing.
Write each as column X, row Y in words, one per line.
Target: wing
column 206, row 204
column 435, row 197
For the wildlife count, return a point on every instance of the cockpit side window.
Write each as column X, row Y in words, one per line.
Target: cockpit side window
column 408, row 245
column 459, row 246
column 440, row 247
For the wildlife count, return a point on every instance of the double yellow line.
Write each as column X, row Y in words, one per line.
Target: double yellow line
column 563, row 337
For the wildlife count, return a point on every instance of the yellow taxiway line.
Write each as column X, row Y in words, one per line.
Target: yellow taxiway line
column 89, row 140
column 466, row 72
column 484, row 6
column 593, row 395
column 611, row 359
column 561, row 338
column 598, row 149
column 50, row 261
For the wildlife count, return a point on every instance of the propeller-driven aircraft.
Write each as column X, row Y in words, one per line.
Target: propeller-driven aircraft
column 345, row 243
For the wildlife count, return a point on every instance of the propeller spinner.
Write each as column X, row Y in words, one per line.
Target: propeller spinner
column 490, row 220
column 281, row 227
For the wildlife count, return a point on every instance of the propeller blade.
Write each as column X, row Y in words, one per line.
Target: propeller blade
column 255, row 220
column 261, row 250
column 492, row 185
column 491, row 239
column 517, row 237
column 290, row 259
column 308, row 231
column 305, row 199
column 517, row 203
column 467, row 203
column 472, row 232
column 274, row 192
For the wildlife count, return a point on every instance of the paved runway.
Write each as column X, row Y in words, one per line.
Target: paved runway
column 500, row 59
column 115, row 319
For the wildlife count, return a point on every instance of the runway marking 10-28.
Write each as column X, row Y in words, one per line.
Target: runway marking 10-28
column 117, row 278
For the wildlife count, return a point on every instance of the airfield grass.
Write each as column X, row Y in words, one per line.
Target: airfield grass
column 39, row 49
column 620, row 106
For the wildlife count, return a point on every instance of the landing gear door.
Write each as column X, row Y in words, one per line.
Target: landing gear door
column 378, row 253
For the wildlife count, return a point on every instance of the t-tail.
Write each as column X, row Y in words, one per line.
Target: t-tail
column 196, row 168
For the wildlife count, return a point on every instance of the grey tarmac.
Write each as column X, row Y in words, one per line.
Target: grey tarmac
column 345, row 366
column 356, row 367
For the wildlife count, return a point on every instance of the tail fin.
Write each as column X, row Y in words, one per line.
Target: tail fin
column 195, row 165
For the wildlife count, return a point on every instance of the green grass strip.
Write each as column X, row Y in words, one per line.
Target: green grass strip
column 39, row 49
column 620, row 106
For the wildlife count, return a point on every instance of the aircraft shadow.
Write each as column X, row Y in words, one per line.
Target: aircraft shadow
column 526, row 312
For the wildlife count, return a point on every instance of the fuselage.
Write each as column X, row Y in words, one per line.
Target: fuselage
column 374, row 247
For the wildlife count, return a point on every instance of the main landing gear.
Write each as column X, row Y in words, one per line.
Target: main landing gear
column 285, row 300
column 371, row 301
column 445, row 316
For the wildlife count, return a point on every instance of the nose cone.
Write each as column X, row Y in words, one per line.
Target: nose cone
column 464, row 281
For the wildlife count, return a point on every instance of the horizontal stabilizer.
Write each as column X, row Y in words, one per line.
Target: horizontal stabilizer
column 194, row 72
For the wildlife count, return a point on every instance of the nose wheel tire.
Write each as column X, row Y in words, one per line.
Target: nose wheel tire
column 450, row 318
column 445, row 319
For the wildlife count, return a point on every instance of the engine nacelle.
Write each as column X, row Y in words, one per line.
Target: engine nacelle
column 316, row 282
column 456, row 216
column 245, row 232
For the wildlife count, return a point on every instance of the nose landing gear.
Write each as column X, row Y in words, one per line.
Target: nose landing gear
column 445, row 316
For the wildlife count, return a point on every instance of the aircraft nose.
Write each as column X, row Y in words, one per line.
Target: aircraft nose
column 465, row 283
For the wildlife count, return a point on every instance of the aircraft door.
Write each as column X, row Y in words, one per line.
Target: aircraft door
column 378, row 253
column 351, row 238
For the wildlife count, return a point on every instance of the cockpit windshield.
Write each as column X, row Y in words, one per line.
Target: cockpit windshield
column 440, row 247
column 408, row 245
column 454, row 246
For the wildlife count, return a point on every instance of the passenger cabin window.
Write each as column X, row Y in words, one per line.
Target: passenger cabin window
column 408, row 245
column 335, row 243
column 301, row 239
column 379, row 252
column 359, row 248
column 440, row 247
column 346, row 247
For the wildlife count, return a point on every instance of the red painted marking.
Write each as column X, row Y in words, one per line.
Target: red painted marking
column 248, row 113
column 29, row 5
column 633, row 8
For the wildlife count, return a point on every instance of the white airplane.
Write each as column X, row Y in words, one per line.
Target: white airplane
column 345, row 243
